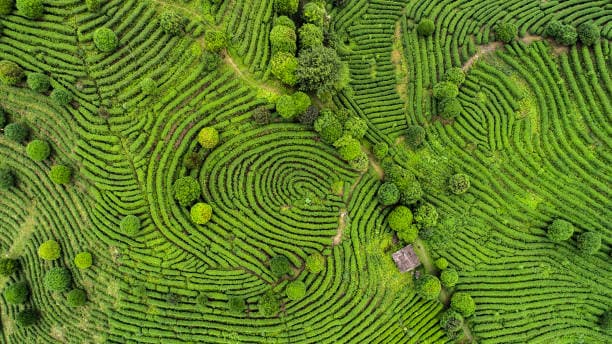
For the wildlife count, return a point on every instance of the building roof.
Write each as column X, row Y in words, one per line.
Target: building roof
column 406, row 259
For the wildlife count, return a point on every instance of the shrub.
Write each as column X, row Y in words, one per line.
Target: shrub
column 76, row 298
column 319, row 70
column 236, row 305
column 49, row 250
column 554, row 29
column 284, row 67
column 356, row 127
column 186, row 190
column 360, row 163
column 588, row 33
column 445, row 89
column 10, row 73
column 286, row 107
column 61, row 97
column 208, row 137
column 328, row 126
column 6, row 6
column 456, row 75
column 568, row 35
column 400, row 218
column 426, row 216
column 560, row 230
column 315, row 263
column 58, row 279
column 130, row 225
column 380, row 150
column 462, row 302
column 27, row 317
column 193, row 160
column 32, row 9
column 288, row 7
column 202, row 300
column 269, row 304
column 415, row 136
column 388, row 194
column 7, row 178
column 426, row 27
column 411, row 193
column 83, row 260
column 459, row 183
column 348, row 147
column 280, row 266
column 93, row 5
column 148, row 86
column 428, row 287
column 38, row 150
column 589, row 242
column 449, row 278
column 302, row 102
column 215, row 40
column 210, row 61
column 441, row 263
column 314, row 13
column 506, row 32
column 60, row 174
column 283, row 39
column 310, row 36
column 16, row 293
column 8, row 266
column 171, row 22
column 17, row 132
column 201, row 213
column 452, row 323
column 105, row 39
column 284, row 21
column 39, row 82
column 450, row 108
column 309, row 116
column 295, row 290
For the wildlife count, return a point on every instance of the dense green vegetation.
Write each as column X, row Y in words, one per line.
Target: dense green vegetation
column 241, row 171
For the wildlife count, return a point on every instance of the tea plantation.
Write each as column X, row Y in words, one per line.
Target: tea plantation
column 247, row 171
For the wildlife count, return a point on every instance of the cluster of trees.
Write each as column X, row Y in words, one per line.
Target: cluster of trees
column 12, row 74
column 32, row 9
column 588, row 33
column 17, row 293
column 587, row 242
column 446, row 93
column 505, row 32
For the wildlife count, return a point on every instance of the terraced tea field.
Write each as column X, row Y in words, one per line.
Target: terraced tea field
column 239, row 171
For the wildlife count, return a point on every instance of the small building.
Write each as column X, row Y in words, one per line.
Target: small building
column 406, row 259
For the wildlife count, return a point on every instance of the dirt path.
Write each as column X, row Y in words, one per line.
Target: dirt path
column 480, row 51
column 341, row 225
column 244, row 75
column 399, row 61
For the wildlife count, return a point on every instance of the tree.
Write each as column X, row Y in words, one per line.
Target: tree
column 295, row 290
column 554, row 29
column 171, row 22
column 560, row 230
column 452, row 323
column 380, row 150
column 451, row 108
column 280, row 266
column 459, row 183
column 415, row 136
column 8, row 266
column 17, row 132
column 16, row 293
column 93, row 5
column 283, row 39
column 76, row 298
column 10, row 73
column 38, row 150
column 505, row 32
column 328, row 126
column 388, row 194
column 318, row 70
column 285, row 21
column 449, row 278
column 39, row 82
column 208, row 137
column 285, row 107
column 302, row 102
column 32, row 9
column 348, row 147
column 428, row 287
column 284, row 67
column 186, row 190
column 426, row 216
column 269, row 304
column 130, row 225
column 411, row 193
column 6, row 6
column 445, row 90
column 456, row 75
column 310, row 36
column 361, row 163
column 27, row 317
column 148, row 86
column 309, row 116
column 201, row 213
column 83, row 260
column 236, row 305
column 568, row 35
column 288, row 7
column 49, row 250
column 215, row 40
column 463, row 303
column 400, row 218
column 105, row 39
column 7, row 178
column 315, row 263
column 441, row 263
column 588, row 33
column 60, row 174
column 58, row 279
column 314, row 13
column 61, row 96
column 426, row 27
column 589, row 242
column 356, row 127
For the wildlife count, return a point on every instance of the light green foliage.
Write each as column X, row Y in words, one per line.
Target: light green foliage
column 463, row 303
column 459, row 183
column 450, row 108
column 310, row 36
column 328, row 126
column 148, row 86
column 284, row 67
column 105, row 39
column 428, row 287
column 505, row 32
column 269, row 304
column 302, row 102
column 426, row 216
column 32, row 9
column 356, row 127
column 215, row 40
column 380, row 150
column 39, row 82
column 560, row 230
column 186, row 190
column 83, row 260
column 58, row 279
column 285, row 107
column 201, row 213
column 348, row 147
column 38, row 150
column 285, row 21
column 314, row 13
column 400, row 218
column 10, row 73
column 49, row 250
column 60, row 174
column 449, row 278
column 441, row 263
column 283, row 39
column 455, row 75
column 296, row 290
column 208, row 137
column 445, row 90
column 361, row 163
column 315, row 263
column 130, row 225
column 171, row 22
column 93, row 5
column 287, row 7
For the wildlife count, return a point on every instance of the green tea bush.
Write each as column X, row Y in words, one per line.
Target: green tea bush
column 589, row 242
column 148, row 86
column 58, row 279
column 171, row 22
column 10, row 73
column 39, row 82
column 83, row 260
column 201, row 213
column 459, row 183
column 310, row 36
column 208, row 137
column 236, row 305
column 27, row 317
column 288, row 7
column 215, row 40
column 8, row 266
column 32, row 9
column 426, row 216
column 7, row 178
column 6, row 6
column 415, row 136
column 49, row 250
column 506, row 32
column 315, row 263
column 284, row 67
column 283, row 39
column 17, row 132
column 269, row 304
column 76, row 298
column 445, row 90
column 426, row 27
column 463, row 303
column 130, row 225
column 105, row 39
column 388, row 194
column 449, row 278
column 60, row 174
column 295, row 290
column 186, row 190
column 38, row 150
column 560, row 230
column 588, row 33
column 16, row 293
column 428, row 287
column 280, row 266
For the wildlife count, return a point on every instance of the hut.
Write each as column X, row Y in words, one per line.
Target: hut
column 406, row 259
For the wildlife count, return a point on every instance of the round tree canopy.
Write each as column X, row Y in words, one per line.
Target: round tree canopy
column 49, row 250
